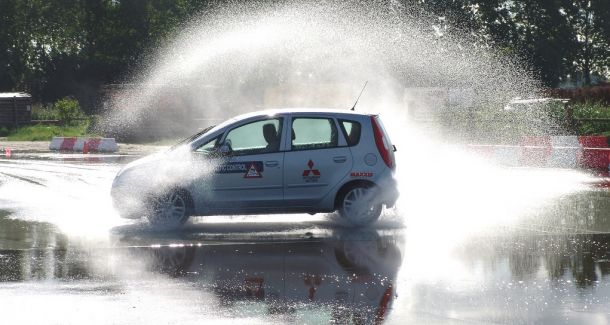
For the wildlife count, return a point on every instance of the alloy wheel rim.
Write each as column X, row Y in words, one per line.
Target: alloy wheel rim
column 358, row 205
column 169, row 209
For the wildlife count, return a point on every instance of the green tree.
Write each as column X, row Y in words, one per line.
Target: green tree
column 68, row 110
column 590, row 20
column 55, row 48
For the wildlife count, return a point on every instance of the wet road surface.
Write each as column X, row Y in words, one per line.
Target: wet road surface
column 67, row 258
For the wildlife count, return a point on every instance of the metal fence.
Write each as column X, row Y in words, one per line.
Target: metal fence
column 15, row 109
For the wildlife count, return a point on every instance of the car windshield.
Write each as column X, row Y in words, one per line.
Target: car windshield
column 193, row 137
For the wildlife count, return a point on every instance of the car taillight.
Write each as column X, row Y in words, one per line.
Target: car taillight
column 383, row 145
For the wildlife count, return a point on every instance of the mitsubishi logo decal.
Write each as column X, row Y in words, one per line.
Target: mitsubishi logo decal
column 311, row 174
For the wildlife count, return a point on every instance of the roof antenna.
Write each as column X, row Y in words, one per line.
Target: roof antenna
column 353, row 107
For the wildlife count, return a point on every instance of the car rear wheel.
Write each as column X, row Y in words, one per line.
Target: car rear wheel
column 359, row 205
column 171, row 209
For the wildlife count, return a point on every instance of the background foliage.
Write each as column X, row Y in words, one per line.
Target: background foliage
column 56, row 48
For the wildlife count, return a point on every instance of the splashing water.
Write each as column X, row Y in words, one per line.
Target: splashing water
column 243, row 58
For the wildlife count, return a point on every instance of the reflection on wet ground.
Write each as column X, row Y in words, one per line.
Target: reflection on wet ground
column 344, row 276
column 533, row 279
column 540, row 274
column 329, row 280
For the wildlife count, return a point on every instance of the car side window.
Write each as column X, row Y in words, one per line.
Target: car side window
column 352, row 131
column 255, row 137
column 313, row 133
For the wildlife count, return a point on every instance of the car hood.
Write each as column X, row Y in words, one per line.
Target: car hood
column 147, row 160
column 156, row 159
column 170, row 168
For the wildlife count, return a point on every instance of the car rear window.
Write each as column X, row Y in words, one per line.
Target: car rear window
column 351, row 130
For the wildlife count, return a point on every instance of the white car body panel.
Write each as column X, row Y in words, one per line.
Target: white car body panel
column 288, row 180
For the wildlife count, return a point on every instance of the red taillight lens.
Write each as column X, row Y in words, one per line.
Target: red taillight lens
column 382, row 143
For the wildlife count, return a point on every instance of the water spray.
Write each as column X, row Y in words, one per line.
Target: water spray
column 305, row 55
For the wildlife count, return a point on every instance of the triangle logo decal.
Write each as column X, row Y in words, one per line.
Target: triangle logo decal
column 253, row 172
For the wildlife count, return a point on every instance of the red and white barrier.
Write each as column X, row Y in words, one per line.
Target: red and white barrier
column 588, row 152
column 6, row 152
column 596, row 154
column 84, row 145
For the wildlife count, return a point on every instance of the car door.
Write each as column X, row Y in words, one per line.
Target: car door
column 316, row 161
column 251, row 174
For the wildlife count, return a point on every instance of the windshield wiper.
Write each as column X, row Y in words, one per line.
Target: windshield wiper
column 192, row 137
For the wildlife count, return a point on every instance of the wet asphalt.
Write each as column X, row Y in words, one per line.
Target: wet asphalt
column 67, row 258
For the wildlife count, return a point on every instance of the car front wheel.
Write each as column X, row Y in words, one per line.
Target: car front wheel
column 170, row 209
column 359, row 206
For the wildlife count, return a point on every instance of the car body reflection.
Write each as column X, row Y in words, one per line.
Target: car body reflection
column 344, row 280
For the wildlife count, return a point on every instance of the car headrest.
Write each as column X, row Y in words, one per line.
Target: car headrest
column 270, row 133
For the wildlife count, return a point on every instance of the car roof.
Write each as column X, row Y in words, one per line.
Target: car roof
column 289, row 111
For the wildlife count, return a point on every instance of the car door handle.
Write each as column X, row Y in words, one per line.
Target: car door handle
column 272, row 163
column 340, row 159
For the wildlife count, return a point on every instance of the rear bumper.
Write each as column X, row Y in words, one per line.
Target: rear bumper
column 389, row 191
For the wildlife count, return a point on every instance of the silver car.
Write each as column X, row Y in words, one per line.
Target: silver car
column 274, row 161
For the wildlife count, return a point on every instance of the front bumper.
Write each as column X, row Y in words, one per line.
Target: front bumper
column 128, row 203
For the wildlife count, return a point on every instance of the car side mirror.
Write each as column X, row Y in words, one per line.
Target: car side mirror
column 224, row 149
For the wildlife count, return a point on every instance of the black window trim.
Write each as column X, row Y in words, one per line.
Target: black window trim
column 345, row 135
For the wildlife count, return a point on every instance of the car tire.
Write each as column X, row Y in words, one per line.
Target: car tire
column 359, row 205
column 171, row 209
